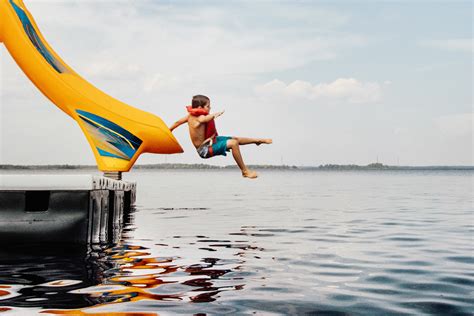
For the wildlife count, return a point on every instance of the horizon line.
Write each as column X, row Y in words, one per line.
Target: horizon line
column 374, row 165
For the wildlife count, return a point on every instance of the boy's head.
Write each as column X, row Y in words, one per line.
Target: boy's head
column 200, row 101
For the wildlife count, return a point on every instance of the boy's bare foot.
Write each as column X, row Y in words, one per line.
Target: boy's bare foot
column 249, row 174
column 264, row 141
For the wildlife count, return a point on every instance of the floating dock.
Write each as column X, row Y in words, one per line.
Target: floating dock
column 63, row 209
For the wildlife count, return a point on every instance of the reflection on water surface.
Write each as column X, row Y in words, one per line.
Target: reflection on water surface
column 340, row 243
column 69, row 280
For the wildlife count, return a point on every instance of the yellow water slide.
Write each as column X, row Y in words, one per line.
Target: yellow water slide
column 117, row 133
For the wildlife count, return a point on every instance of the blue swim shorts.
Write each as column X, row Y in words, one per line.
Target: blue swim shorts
column 219, row 147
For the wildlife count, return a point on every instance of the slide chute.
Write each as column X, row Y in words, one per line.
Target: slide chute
column 117, row 133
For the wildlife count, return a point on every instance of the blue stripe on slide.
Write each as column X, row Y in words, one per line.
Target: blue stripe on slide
column 36, row 41
column 136, row 142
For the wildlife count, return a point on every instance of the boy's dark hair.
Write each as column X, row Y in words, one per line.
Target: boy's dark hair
column 199, row 101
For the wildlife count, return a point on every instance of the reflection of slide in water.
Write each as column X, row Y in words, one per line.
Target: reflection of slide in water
column 50, row 275
column 76, row 281
column 98, row 279
column 117, row 132
column 47, row 277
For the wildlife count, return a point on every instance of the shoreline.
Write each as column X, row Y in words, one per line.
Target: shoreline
column 178, row 166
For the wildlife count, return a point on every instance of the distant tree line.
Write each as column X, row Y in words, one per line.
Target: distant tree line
column 46, row 167
column 148, row 166
column 372, row 166
column 181, row 166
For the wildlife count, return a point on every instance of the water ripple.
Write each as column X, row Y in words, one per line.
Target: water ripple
column 295, row 244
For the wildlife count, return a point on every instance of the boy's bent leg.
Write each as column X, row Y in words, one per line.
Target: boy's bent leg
column 257, row 141
column 233, row 145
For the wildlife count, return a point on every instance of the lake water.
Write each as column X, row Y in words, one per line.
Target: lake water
column 289, row 243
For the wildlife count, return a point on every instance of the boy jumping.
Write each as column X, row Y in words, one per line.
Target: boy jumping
column 203, row 134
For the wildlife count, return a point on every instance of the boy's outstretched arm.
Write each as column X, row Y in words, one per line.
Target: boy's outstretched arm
column 209, row 117
column 179, row 122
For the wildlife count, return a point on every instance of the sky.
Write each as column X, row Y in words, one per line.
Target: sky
column 331, row 82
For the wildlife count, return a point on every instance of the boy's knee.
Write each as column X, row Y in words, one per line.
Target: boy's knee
column 232, row 142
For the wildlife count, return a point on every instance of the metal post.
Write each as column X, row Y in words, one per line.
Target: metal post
column 116, row 175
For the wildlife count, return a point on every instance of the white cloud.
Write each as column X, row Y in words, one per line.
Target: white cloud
column 111, row 69
column 168, row 39
column 342, row 89
column 457, row 45
column 161, row 82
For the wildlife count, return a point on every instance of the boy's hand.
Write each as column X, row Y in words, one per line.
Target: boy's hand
column 217, row 114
